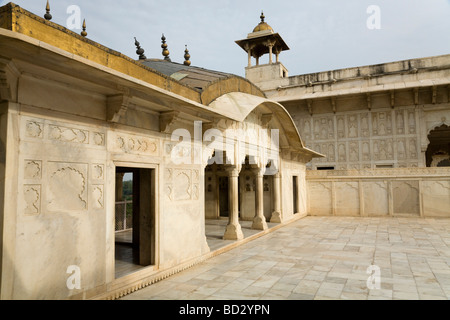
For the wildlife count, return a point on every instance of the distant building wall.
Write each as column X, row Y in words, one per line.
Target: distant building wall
column 409, row 192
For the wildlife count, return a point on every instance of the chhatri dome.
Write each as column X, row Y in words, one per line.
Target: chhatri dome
column 262, row 26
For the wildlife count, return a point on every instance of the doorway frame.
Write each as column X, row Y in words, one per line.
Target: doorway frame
column 156, row 191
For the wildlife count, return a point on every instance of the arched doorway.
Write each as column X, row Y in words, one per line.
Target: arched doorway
column 438, row 152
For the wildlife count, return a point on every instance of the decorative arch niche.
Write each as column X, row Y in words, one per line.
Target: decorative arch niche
column 438, row 152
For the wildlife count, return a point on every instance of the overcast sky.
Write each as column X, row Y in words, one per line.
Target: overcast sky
column 322, row 34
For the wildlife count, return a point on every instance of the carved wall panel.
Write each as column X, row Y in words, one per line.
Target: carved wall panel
column 182, row 184
column 436, row 198
column 383, row 137
column 306, row 129
column 354, row 151
column 352, row 125
column 376, row 198
column 365, row 130
column 53, row 131
column 400, row 122
column 406, row 197
column 412, row 122
column 67, row 186
column 366, row 151
column 98, row 197
column 347, row 198
column 381, row 123
column 34, row 129
column 342, row 152
column 401, row 149
column 33, row 169
column 32, row 197
column 63, row 134
column 320, row 199
column 133, row 144
column 98, row 171
column 341, row 127
column 413, row 148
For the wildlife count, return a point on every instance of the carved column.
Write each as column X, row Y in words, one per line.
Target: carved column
column 276, row 215
column 249, row 58
column 259, row 222
column 233, row 230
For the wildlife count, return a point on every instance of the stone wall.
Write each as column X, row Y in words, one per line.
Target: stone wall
column 64, row 212
column 423, row 192
column 363, row 139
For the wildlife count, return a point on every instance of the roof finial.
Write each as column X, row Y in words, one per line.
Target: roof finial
column 187, row 56
column 48, row 16
column 262, row 16
column 84, row 33
column 139, row 51
column 165, row 51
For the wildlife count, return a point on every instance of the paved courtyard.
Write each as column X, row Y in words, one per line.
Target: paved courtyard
column 323, row 258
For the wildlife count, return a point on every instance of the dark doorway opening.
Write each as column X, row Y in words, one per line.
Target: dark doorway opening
column 295, row 194
column 135, row 219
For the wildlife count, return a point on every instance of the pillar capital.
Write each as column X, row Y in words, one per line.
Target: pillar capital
column 233, row 171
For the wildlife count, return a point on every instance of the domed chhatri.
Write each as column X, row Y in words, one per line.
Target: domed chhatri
column 263, row 40
column 262, row 26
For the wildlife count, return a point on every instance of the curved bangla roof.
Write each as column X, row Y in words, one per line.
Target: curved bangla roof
column 239, row 105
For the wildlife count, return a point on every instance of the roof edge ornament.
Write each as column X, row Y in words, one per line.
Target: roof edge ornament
column 187, row 57
column 47, row 15
column 140, row 51
column 165, row 51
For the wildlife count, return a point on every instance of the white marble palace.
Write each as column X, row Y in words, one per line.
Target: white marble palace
column 111, row 167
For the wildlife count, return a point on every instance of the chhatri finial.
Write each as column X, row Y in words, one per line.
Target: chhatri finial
column 262, row 16
column 47, row 15
column 187, row 56
column 165, row 51
column 84, row 33
column 139, row 51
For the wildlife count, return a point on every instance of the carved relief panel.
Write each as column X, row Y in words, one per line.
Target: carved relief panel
column 182, row 184
column 67, row 187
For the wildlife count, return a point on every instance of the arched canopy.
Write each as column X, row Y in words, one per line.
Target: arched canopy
column 238, row 106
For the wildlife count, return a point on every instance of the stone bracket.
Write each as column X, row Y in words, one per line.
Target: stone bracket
column 166, row 119
column 369, row 101
column 8, row 80
column 310, row 108
column 116, row 107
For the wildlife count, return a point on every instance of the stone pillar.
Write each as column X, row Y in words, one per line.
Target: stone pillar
column 276, row 215
column 249, row 58
column 259, row 222
column 233, row 230
column 270, row 54
column 257, row 61
column 119, row 186
column 277, row 55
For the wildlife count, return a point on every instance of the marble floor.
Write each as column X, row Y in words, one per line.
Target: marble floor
column 324, row 258
column 127, row 257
